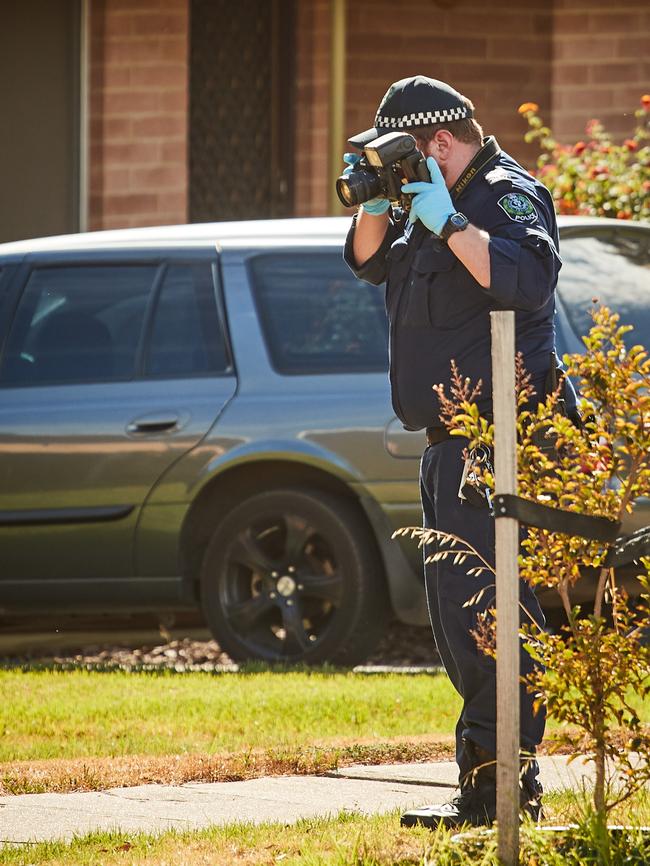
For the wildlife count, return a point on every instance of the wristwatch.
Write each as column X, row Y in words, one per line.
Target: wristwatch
column 457, row 222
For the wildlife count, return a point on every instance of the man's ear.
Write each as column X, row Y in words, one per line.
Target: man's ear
column 443, row 142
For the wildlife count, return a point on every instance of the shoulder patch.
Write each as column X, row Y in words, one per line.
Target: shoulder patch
column 497, row 174
column 518, row 207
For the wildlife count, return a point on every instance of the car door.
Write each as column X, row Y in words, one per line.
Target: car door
column 114, row 366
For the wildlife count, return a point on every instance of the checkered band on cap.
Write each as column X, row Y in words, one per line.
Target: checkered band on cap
column 422, row 118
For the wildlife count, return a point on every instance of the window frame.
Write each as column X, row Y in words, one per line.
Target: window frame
column 267, row 336
column 601, row 229
column 151, row 257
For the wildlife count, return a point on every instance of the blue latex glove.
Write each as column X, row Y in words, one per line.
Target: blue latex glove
column 374, row 206
column 431, row 204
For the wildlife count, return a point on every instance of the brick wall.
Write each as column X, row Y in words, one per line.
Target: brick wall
column 575, row 58
column 495, row 53
column 312, row 107
column 498, row 56
column 138, row 112
column 601, row 64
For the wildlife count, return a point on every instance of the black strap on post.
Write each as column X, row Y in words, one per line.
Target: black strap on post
column 556, row 519
column 629, row 548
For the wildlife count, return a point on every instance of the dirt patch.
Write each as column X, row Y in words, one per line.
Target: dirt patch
column 94, row 774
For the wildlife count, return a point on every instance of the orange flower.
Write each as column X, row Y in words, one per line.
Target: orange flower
column 578, row 147
column 533, row 106
column 645, row 100
column 630, row 144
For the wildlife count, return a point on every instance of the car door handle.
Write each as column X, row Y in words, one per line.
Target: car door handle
column 154, row 423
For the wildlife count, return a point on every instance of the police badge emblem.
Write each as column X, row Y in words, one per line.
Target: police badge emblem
column 518, row 207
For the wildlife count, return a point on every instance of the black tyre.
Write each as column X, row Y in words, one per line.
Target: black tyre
column 294, row 576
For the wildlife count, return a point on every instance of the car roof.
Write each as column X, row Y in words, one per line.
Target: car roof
column 223, row 235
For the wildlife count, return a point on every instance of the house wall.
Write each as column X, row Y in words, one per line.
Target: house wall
column 312, row 107
column 495, row 53
column 575, row 58
column 601, row 64
column 138, row 112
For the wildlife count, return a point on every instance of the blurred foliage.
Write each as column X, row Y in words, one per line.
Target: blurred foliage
column 595, row 176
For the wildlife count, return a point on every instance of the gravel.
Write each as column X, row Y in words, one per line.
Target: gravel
column 410, row 648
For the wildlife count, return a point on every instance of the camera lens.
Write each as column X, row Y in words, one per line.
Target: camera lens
column 345, row 194
column 358, row 186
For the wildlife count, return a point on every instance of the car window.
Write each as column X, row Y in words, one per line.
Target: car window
column 187, row 338
column 77, row 324
column 316, row 316
column 611, row 267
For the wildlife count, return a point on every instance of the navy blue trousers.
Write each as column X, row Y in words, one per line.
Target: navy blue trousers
column 448, row 587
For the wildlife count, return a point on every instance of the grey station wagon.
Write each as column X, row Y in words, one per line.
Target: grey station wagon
column 199, row 416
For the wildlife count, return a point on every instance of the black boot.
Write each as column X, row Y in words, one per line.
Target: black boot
column 530, row 789
column 477, row 802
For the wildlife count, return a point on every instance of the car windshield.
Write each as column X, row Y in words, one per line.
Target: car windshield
column 610, row 267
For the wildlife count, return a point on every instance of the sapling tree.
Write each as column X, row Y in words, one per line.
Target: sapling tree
column 595, row 671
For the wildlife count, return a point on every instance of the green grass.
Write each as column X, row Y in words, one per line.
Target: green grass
column 68, row 714
column 347, row 840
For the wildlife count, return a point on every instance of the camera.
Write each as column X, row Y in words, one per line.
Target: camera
column 387, row 163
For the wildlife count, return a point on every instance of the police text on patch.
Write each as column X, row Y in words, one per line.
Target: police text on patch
column 518, row 207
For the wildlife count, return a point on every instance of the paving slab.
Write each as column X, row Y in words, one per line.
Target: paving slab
column 555, row 772
column 155, row 808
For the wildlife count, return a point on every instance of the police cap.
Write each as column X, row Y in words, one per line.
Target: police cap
column 413, row 102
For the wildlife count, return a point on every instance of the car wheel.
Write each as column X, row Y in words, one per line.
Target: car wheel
column 294, row 576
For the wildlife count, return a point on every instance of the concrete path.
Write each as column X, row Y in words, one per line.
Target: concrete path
column 156, row 808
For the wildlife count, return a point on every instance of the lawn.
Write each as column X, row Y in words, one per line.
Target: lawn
column 72, row 714
column 89, row 730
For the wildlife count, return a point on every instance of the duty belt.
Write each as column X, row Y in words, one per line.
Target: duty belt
column 437, row 434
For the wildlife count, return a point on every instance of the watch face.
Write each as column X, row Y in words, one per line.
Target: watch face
column 458, row 219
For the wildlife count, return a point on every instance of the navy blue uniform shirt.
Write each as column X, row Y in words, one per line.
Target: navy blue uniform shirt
column 437, row 311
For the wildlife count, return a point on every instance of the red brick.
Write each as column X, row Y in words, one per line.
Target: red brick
column 581, row 98
column 132, row 153
column 174, row 100
column 115, row 76
column 171, row 201
column 158, row 75
column 173, row 151
column 116, row 128
column 131, row 102
column 128, row 51
column 158, row 177
column 570, row 73
column 129, row 203
column 613, row 22
column 614, row 73
column 633, row 47
column 584, row 48
column 159, row 126
column 569, row 23
column 590, row 5
column 529, row 48
column 168, row 24
column 118, row 24
column 115, row 179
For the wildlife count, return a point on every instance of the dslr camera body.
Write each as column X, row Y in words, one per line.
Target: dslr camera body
column 387, row 163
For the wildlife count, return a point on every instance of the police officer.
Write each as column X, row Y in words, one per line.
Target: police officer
column 481, row 236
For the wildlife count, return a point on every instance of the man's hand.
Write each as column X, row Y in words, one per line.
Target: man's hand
column 431, row 204
column 375, row 206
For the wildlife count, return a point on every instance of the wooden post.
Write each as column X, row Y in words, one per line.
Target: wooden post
column 507, row 588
